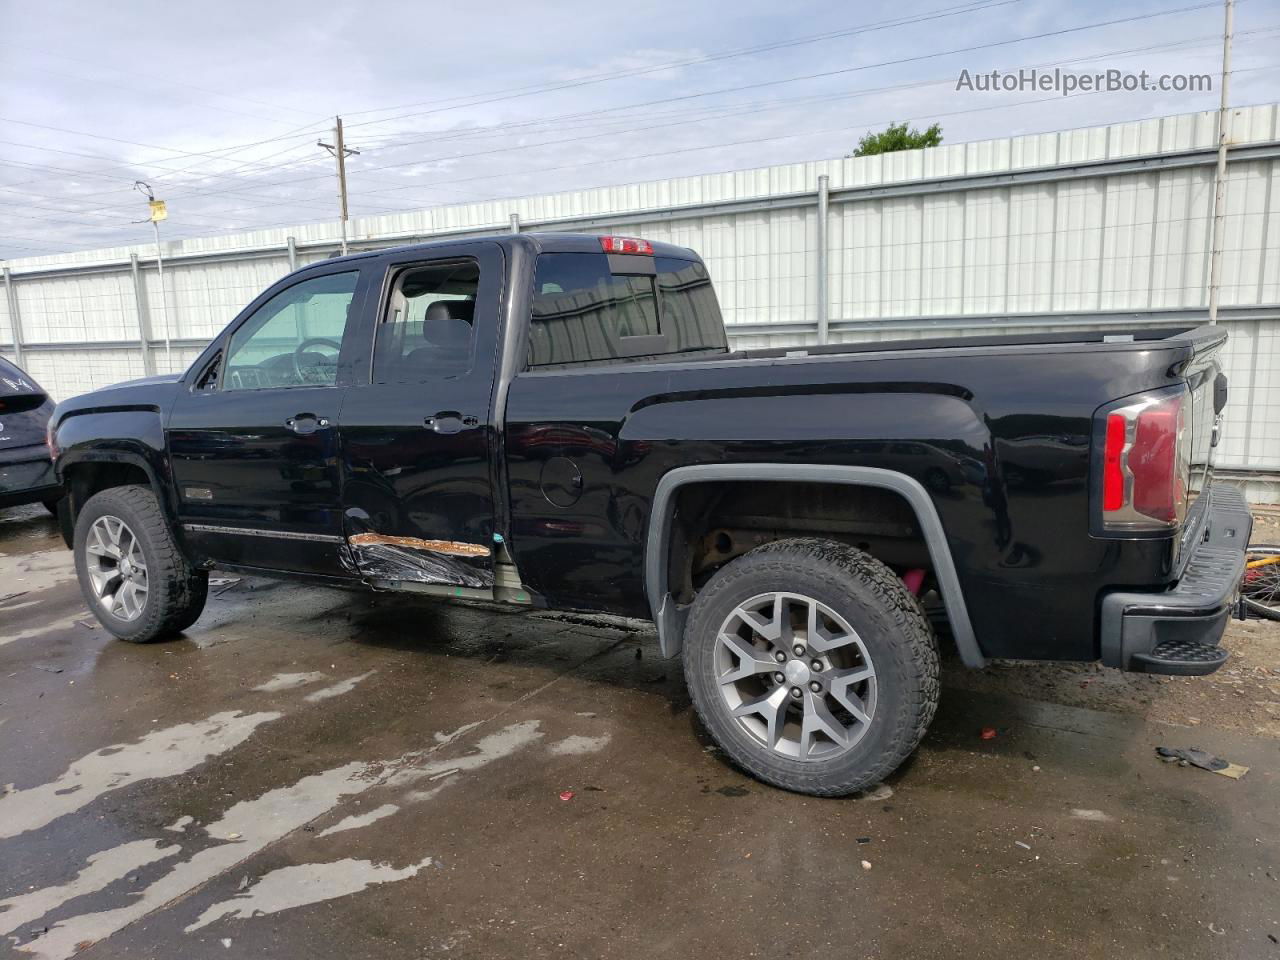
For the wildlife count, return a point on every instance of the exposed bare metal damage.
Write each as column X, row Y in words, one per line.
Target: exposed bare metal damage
column 453, row 548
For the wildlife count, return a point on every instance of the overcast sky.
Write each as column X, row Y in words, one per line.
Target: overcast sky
column 219, row 106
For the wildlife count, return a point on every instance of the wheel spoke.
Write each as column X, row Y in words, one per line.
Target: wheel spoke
column 96, row 545
column 818, row 719
column 772, row 708
column 824, row 641
column 771, row 628
column 751, row 661
column 841, row 681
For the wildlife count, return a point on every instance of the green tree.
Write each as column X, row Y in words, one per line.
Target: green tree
column 896, row 136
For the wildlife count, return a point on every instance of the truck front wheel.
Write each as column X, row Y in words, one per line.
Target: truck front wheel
column 812, row 666
column 132, row 573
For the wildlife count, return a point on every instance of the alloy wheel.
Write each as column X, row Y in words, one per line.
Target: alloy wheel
column 796, row 676
column 117, row 568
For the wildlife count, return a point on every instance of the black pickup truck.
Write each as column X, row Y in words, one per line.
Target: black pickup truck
column 558, row 421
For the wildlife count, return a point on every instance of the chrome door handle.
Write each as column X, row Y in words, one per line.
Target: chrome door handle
column 306, row 423
column 450, row 422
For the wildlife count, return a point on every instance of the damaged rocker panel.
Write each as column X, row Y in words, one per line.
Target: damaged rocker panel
column 413, row 560
column 453, row 548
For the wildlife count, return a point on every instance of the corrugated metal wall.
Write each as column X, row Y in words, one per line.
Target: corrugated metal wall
column 1094, row 226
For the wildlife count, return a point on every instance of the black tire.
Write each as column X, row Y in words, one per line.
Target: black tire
column 176, row 591
column 886, row 617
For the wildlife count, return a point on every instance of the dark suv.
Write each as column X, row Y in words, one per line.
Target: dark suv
column 26, row 469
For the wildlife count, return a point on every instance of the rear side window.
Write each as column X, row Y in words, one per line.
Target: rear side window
column 429, row 327
column 583, row 312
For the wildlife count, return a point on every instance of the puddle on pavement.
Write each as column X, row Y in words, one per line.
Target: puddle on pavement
column 161, row 753
column 35, row 571
column 358, row 820
column 101, row 870
column 338, row 689
column 288, row 681
column 291, row 887
column 245, row 829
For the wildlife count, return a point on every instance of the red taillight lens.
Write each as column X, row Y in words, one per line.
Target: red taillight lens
column 1153, row 461
column 1112, row 465
column 1145, row 464
column 626, row 245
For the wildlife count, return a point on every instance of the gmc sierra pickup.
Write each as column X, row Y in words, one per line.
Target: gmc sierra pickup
column 558, row 421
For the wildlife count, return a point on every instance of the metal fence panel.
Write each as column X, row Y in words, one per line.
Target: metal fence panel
column 1105, row 225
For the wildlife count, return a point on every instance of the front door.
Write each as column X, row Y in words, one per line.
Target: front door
column 417, row 438
column 254, row 439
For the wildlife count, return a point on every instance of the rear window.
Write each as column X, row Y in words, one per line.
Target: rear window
column 583, row 312
column 15, row 383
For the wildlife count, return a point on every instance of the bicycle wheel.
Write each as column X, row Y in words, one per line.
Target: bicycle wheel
column 1260, row 586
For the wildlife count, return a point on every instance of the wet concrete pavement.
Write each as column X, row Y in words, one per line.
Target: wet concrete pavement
column 313, row 773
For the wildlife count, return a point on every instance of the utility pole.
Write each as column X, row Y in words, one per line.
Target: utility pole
column 159, row 212
column 340, row 151
column 1220, row 176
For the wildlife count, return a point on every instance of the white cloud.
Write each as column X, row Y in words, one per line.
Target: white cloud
column 439, row 100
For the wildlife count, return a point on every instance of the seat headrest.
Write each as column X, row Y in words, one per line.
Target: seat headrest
column 457, row 309
column 447, row 323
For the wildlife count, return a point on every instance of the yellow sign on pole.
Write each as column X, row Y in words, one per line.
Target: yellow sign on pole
column 158, row 211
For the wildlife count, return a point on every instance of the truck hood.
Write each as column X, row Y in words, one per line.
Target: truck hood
column 154, row 393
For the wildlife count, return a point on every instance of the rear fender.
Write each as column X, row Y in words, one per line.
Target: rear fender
column 670, row 617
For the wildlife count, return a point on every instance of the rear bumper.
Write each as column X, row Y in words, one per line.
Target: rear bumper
column 26, row 476
column 1195, row 610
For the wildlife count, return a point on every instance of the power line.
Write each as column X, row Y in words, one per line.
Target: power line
column 516, row 92
column 736, row 88
column 736, row 111
column 825, row 74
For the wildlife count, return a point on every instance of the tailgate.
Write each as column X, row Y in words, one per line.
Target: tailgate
column 1208, row 395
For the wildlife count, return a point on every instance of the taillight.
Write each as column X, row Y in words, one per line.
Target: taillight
column 1146, row 465
column 626, row 245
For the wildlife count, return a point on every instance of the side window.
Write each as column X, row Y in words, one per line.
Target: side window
column 584, row 313
column 294, row 338
column 429, row 327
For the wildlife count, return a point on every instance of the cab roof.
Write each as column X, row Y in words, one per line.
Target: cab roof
column 534, row 242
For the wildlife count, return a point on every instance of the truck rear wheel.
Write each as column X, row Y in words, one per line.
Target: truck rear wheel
column 812, row 666
column 132, row 574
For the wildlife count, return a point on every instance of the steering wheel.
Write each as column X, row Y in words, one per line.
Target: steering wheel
column 301, row 348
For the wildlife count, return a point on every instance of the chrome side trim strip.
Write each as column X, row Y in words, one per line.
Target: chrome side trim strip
column 251, row 532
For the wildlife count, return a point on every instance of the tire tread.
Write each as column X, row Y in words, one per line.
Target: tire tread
column 840, row 564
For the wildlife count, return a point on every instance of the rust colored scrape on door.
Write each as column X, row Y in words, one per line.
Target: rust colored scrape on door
column 453, row 548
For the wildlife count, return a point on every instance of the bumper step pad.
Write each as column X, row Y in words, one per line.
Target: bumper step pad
column 1183, row 658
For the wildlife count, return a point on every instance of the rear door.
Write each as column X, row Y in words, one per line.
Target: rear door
column 417, row 436
column 254, row 441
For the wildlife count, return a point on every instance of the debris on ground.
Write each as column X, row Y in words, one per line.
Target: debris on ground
column 1024, row 846
column 1189, row 756
column 566, row 795
column 866, row 864
column 988, row 733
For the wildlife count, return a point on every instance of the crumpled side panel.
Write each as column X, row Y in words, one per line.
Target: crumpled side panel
column 380, row 557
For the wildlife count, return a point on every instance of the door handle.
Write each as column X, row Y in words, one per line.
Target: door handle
column 450, row 421
column 306, row 423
